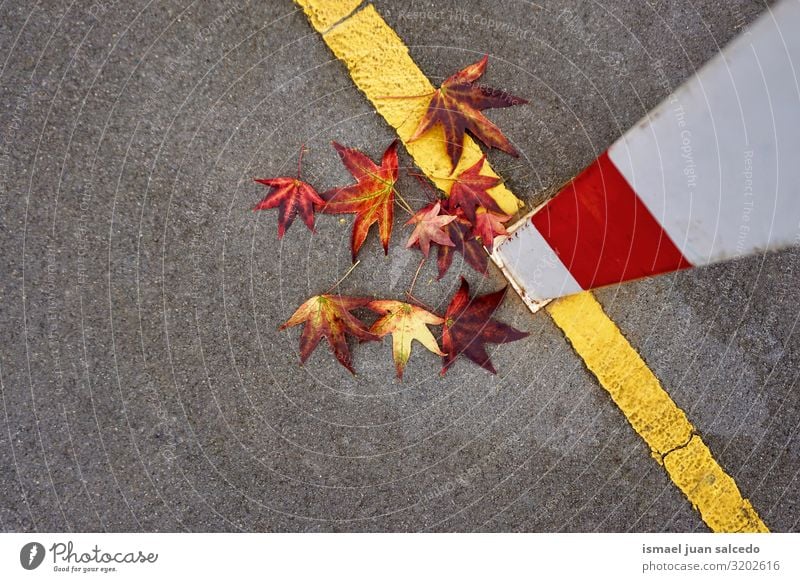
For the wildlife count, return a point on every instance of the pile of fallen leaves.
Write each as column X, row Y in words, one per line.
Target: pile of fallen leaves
column 467, row 222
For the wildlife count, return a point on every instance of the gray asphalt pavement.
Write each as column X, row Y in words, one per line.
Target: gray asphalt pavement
column 144, row 383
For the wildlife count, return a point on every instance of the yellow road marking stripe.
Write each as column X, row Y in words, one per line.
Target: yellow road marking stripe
column 653, row 414
column 711, row 490
column 324, row 14
column 380, row 66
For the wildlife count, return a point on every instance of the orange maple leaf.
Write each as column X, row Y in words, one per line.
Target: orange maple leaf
column 371, row 198
column 329, row 316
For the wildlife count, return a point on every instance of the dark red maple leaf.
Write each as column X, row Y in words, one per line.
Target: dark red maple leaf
column 468, row 327
column 464, row 242
column 329, row 316
column 371, row 198
column 457, row 106
column 291, row 196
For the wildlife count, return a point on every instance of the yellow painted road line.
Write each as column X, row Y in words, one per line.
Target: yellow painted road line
column 653, row 414
column 381, row 67
column 324, row 15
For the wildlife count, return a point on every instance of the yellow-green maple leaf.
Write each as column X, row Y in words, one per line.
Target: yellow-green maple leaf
column 406, row 322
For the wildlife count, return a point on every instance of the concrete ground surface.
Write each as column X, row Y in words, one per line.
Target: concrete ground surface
column 145, row 385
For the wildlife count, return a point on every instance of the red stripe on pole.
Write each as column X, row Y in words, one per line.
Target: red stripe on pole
column 603, row 233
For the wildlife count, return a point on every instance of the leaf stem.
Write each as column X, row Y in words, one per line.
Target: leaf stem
column 420, row 303
column 428, row 188
column 406, row 96
column 339, row 282
column 414, row 280
column 300, row 159
column 403, row 204
column 452, row 179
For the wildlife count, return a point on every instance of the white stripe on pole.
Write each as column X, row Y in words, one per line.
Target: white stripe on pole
column 718, row 163
column 527, row 257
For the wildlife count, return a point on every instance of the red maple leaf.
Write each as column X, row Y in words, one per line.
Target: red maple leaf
column 428, row 229
column 329, row 316
column 489, row 225
column 464, row 242
column 371, row 198
column 457, row 106
column 469, row 191
column 291, row 196
column 468, row 327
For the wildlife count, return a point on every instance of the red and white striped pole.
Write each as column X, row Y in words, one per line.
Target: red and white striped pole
column 711, row 174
